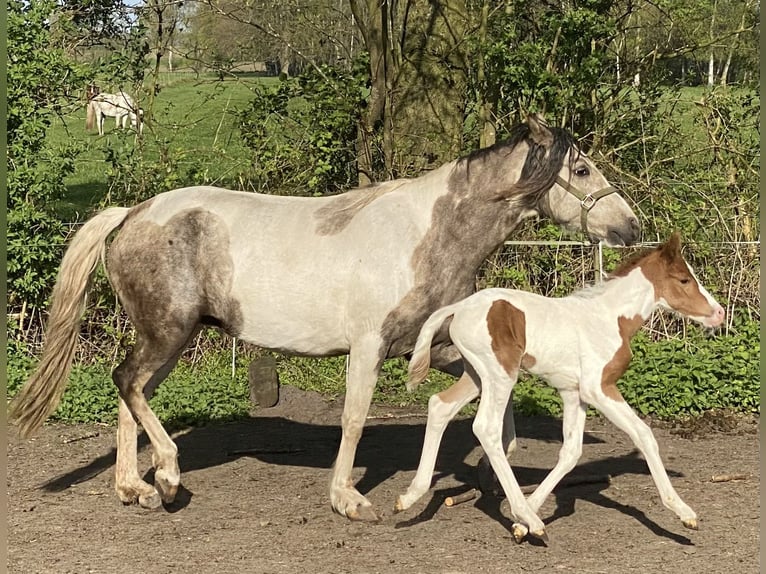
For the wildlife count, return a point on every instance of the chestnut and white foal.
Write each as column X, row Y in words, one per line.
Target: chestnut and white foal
column 579, row 344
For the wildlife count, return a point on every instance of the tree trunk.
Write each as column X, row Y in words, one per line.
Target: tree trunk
column 374, row 32
column 486, row 97
column 711, row 71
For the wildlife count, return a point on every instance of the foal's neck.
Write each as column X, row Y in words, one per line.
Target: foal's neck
column 631, row 296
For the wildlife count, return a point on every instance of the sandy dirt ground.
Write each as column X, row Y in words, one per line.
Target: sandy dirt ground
column 254, row 498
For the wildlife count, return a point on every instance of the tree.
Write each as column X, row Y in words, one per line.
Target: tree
column 41, row 80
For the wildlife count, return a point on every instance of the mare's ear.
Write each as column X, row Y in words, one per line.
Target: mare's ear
column 538, row 130
column 671, row 249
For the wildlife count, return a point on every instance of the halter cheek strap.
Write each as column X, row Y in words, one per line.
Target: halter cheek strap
column 587, row 200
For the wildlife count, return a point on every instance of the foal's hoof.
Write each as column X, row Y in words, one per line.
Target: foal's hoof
column 541, row 535
column 399, row 505
column 691, row 523
column 519, row 532
column 363, row 514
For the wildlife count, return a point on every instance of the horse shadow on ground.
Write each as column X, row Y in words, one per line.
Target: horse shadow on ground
column 385, row 448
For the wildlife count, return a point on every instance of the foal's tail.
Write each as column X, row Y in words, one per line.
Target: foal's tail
column 90, row 116
column 42, row 392
column 421, row 355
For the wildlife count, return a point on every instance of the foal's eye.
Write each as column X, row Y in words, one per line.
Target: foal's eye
column 684, row 281
column 581, row 171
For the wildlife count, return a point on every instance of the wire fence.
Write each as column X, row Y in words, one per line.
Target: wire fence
column 729, row 270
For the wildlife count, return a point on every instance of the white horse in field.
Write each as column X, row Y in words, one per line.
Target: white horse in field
column 119, row 106
column 579, row 344
column 355, row 273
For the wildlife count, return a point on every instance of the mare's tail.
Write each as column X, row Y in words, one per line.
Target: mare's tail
column 421, row 355
column 41, row 394
column 90, row 116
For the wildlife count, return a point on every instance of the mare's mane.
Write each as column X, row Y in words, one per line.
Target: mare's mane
column 541, row 165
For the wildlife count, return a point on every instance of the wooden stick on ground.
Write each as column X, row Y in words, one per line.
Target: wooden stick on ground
column 530, row 488
column 728, row 477
column 459, row 498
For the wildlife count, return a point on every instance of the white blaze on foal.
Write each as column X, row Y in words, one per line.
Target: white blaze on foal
column 579, row 344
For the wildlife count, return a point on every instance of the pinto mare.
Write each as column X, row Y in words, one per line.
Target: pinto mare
column 356, row 273
column 580, row 344
column 119, row 106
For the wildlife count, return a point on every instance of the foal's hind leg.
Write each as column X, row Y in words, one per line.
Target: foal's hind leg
column 442, row 408
column 136, row 378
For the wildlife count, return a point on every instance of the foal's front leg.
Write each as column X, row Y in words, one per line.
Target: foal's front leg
column 496, row 388
column 620, row 413
column 573, row 426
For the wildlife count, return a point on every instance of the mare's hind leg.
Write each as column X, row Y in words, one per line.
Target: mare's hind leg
column 127, row 482
column 136, row 378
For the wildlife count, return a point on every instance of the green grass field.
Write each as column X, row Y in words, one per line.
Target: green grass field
column 194, row 120
column 193, row 131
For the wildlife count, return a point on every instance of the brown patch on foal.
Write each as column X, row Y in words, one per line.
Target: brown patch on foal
column 507, row 327
column 615, row 368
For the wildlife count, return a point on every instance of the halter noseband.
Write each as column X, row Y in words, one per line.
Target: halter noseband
column 587, row 200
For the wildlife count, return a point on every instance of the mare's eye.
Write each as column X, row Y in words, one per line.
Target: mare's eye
column 581, row 171
column 684, row 281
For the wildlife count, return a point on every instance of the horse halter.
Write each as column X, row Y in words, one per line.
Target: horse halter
column 587, row 200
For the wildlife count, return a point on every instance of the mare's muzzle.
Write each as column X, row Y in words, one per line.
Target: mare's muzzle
column 587, row 200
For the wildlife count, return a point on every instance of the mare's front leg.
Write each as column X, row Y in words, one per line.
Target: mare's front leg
column 363, row 369
column 442, row 408
column 620, row 413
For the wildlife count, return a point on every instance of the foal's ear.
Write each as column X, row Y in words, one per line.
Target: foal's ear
column 671, row 249
column 538, row 130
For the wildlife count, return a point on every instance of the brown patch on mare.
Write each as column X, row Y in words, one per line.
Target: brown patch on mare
column 615, row 368
column 338, row 213
column 507, row 327
column 172, row 277
column 468, row 223
column 138, row 210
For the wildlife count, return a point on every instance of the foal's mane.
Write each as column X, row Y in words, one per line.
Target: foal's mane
column 538, row 173
column 625, row 267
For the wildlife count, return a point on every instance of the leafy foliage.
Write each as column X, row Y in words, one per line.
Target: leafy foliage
column 302, row 133
column 40, row 81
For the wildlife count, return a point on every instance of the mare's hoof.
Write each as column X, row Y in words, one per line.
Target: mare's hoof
column 363, row 514
column 399, row 505
column 151, row 501
column 691, row 524
column 264, row 382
